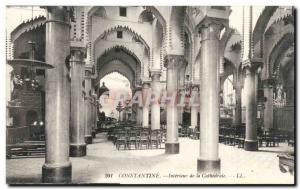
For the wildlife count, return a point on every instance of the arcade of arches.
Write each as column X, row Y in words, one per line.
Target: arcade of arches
column 242, row 80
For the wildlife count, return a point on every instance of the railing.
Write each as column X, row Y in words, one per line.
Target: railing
column 17, row 134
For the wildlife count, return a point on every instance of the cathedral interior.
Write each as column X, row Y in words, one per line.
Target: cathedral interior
column 204, row 97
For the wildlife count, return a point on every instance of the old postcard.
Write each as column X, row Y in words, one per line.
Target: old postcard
column 150, row 95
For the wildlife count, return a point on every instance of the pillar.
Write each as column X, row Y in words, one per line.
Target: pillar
column 194, row 107
column 139, row 116
column 96, row 115
column 172, row 64
column 88, row 127
column 155, row 106
column 145, row 91
column 57, row 167
column 93, row 115
column 237, row 120
column 209, row 160
column 251, row 143
column 77, row 144
column 268, row 111
column 180, row 105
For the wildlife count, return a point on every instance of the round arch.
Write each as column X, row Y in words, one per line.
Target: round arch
column 121, row 53
column 157, row 14
column 145, row 16
column 119, row 67
column 120, row 59
column 113, row 47
column 281, row 14
column 262, row 22
column 96, row 11
column 281, row 46
column 116, row 28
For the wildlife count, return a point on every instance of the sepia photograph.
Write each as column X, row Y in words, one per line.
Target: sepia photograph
column 150, row 95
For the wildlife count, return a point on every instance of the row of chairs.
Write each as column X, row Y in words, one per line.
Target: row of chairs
column 232, row 135
column 137, row 138
column 235, row 135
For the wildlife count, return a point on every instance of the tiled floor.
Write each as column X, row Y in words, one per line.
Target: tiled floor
column 103, row 158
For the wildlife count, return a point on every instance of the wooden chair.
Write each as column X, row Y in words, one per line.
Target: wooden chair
column 121, row 140
column 155, row 139
column 241, row 135
column 143, row 140
column 133, row 140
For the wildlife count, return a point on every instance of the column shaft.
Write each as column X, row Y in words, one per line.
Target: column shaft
column 145, row 93
column 180, row 115
column 172, row 63
column 208, row 160
column 251, row 143
column 57, row 167
column 268, row 111
column 238, row 105
column 88, row 126
column 77, row 144
column 139, row 115
column 194, row 116
column 194, row 104
column 93, row 116
column 155, row 106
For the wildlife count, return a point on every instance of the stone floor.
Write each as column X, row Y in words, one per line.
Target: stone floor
column 237, row 166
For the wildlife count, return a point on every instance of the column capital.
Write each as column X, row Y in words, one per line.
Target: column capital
column 88, row 72
column 269, row 82
column 137, row 88
column 237, row 85
column 155, row 75
column 174, row 61
column 60, row 14
column 146, row 85
column 210, row 28
column 251, row 65
column 77, row 55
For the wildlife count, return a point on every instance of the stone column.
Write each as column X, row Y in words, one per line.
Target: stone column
column 139, row 116
column 88, row 127
column 155, row 106
column 172, row 64
column 57, row 167
column 251, row 143
column 194, row 107
column 96, row 115
column 180, row 105
column 268, row 111
column 237, row 120
column 77, row 144
column 145, row 91
column 209, row 160
column 93, row 115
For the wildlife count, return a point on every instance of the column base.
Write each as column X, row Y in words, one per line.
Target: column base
column 77, row 150
column 172, row 148
column 208, row 166
column 251, row 145
column 88, row 139
column 57, row 175
column 93, row 134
